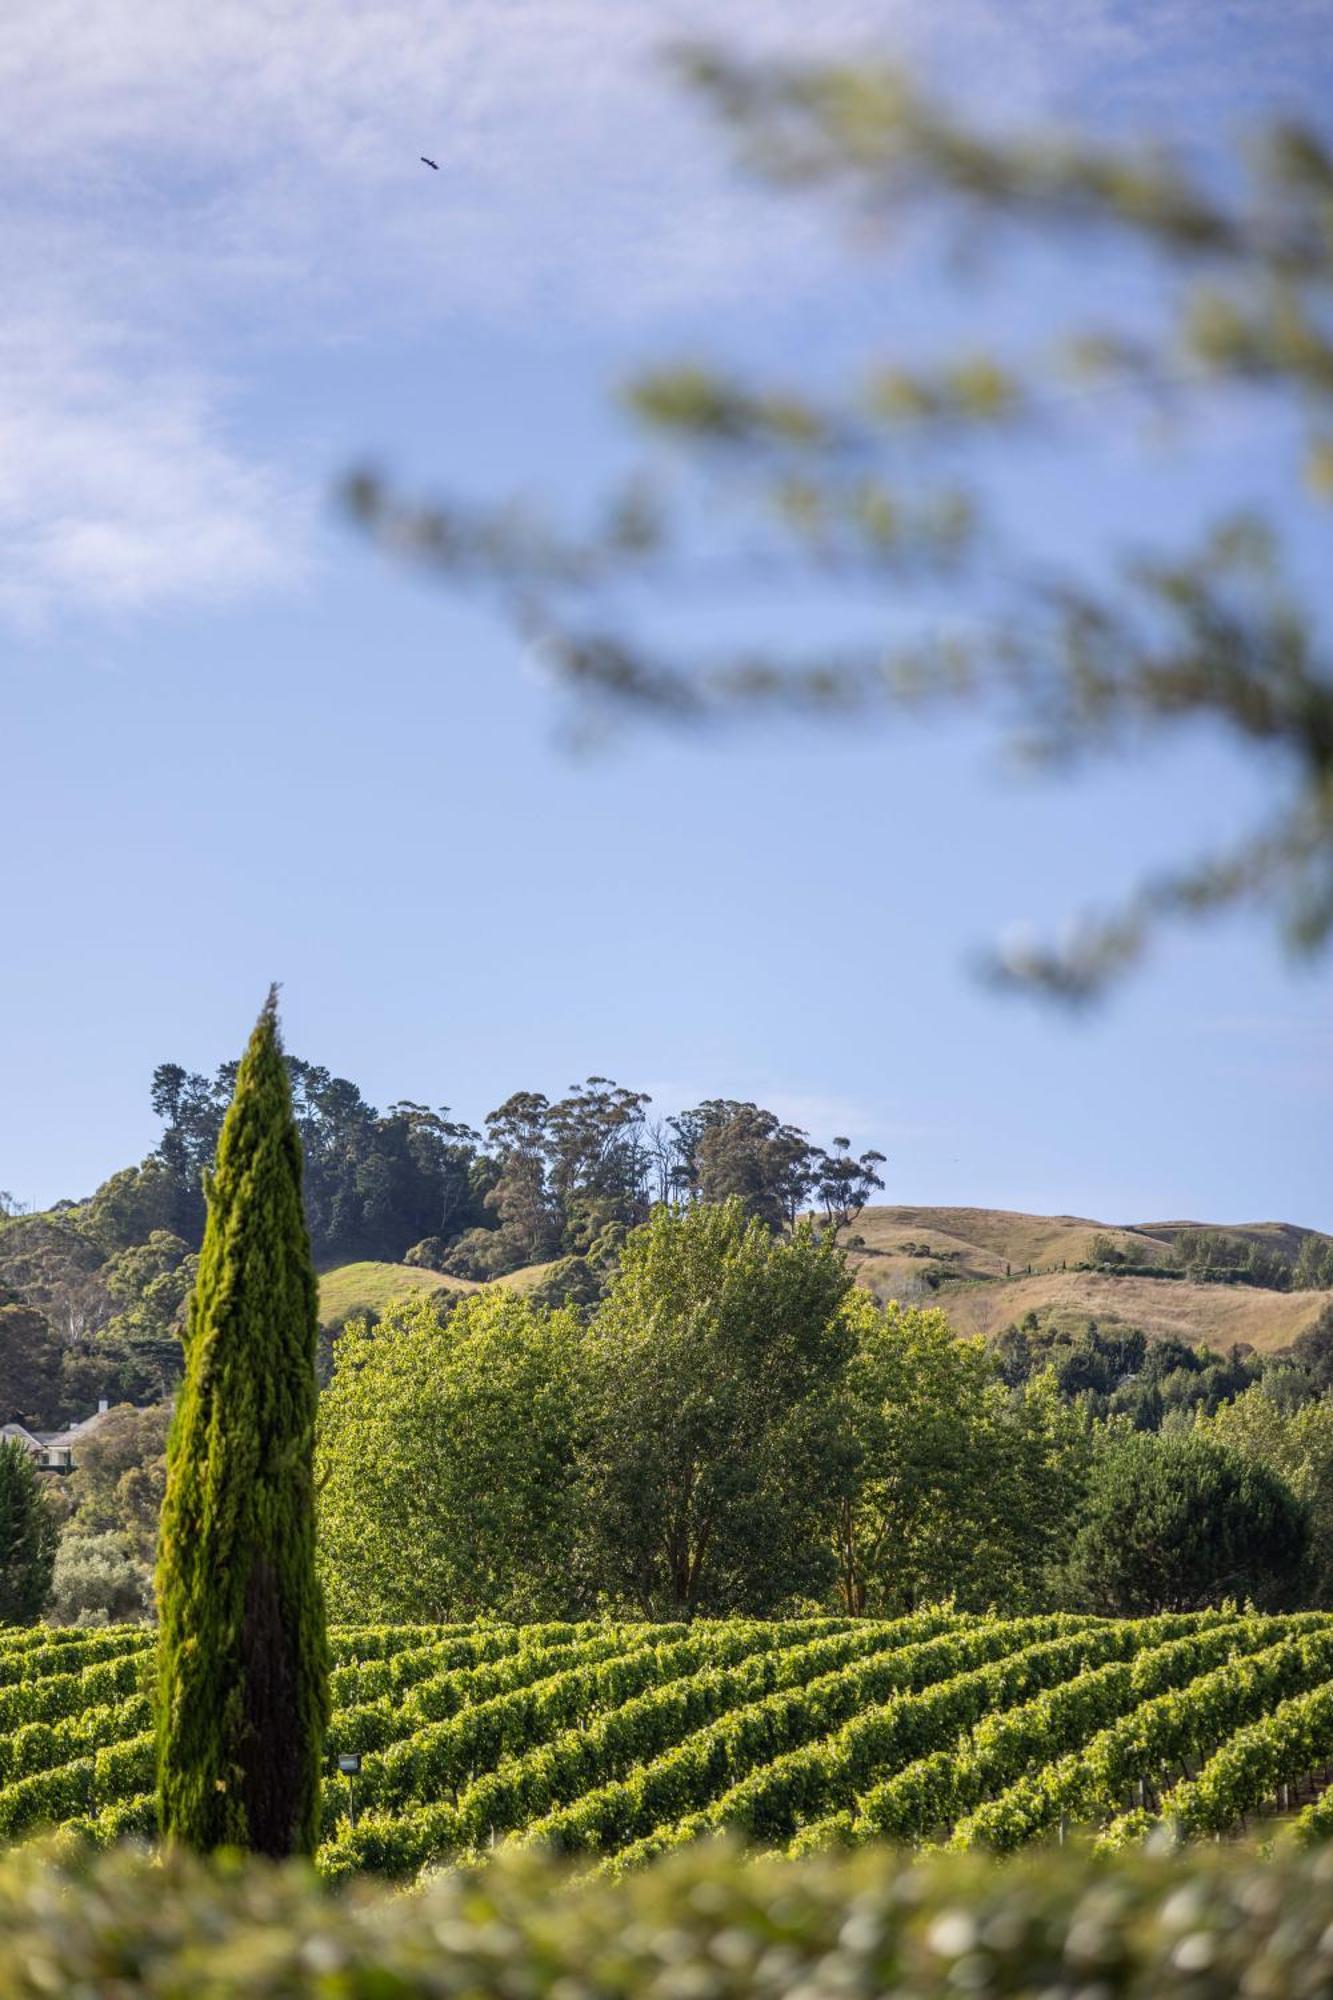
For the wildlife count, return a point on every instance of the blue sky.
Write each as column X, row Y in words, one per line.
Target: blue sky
column 239, row 745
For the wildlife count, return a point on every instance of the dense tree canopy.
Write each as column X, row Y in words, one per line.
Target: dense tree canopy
column 960, row 1488
column 120, row 1477
column 549, row 1178
column 92, row 1293
column 28, row 1538
column 447, row 1463
column 713, row 1442
column 373, row 1183
column 1113, row 1370
column 29, row 1364
column 1297, row 1444
column 1176, row 1522
column 734, row 1426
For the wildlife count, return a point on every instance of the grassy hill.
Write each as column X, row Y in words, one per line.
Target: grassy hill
column 1215, row 1316
column 369, row 1287
column 613, row 1742
column 357, row 1288
column 974, row 1263
column 980, row 1256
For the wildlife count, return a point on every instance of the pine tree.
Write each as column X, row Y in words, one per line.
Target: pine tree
column 28, row 1537
column 243, row 1677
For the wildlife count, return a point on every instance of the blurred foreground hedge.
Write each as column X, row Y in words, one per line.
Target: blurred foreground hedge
column 705, row 1925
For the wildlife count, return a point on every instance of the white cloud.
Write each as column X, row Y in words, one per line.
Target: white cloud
column 119, row 488
column 190, row 191
column 196, row 186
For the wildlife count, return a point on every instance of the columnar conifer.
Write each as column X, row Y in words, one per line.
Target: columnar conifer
column 243, row 1687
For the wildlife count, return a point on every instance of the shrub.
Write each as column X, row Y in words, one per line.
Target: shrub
column 1176, row 1522
column 97, row 1581
column 703, row 1923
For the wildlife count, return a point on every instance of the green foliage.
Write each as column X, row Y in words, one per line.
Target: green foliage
column 243, row 1676
column 83, row 1315
column 1085, row 1357
column 99, row 1580
column 150, row 1282
column 120, row 1477
column 742, row 1153
column 1178, row 1521
column 446, row 1451
column 618, row 1742
column 1205, row 1923
column 735, row 1427
column 374, row 1184
column 559, row 1178
column 1297, row 1445
column 1106, row 1254
column 577, row 1282
column 1032, row 1669
column 130, row 1208
column 713, row 1454
column 1113, row 1370
column 29, row 1364
column 959, row 1488
column 1312, row 1352
column 1215, row 1256
column 1313, row 1269
column 1250, row 1768
column 49, row 1263
column 1116, row 1741
column 28, row 1536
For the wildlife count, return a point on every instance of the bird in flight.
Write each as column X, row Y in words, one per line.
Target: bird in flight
column 428, row 163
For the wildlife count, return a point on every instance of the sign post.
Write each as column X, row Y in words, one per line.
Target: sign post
column 349, row 1763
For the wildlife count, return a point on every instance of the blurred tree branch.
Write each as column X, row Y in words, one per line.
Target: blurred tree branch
column 867, row 490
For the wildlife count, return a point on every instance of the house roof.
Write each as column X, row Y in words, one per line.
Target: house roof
column 74, row 1433
column 22, row 1435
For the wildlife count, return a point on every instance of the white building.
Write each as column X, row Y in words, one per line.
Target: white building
column 54, row 1450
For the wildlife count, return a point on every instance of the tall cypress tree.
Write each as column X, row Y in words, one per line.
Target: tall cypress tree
column 243, row 1676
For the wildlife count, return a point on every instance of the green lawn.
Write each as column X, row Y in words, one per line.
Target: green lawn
column 369, row 1287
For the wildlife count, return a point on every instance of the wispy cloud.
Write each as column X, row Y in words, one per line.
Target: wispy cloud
column 120, row 488
column 191, row 192
column 190, row 189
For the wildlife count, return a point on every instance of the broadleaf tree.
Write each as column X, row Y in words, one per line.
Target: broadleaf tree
column 447, row 1463
column 714, row 1453
column 1296, row 1444
column 1176, row 1522
column 962, row 1488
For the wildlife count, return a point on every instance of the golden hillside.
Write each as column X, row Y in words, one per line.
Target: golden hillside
column 983, row 1257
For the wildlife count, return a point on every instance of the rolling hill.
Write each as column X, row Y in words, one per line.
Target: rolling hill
column 1216, row 1316
column 974, row 1262
column 368, row 1287
column 988, row 1267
